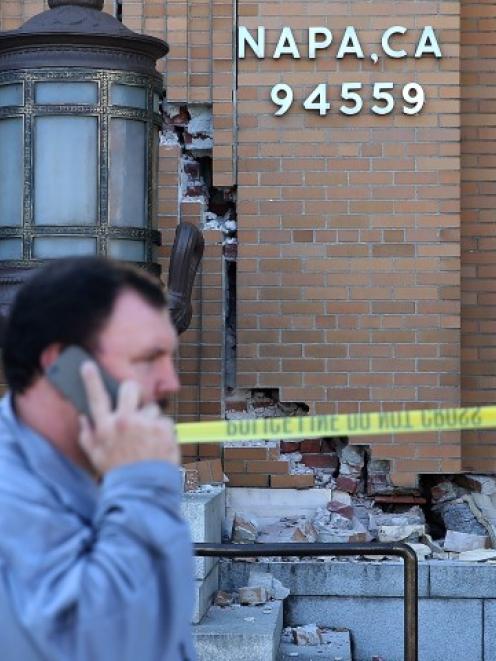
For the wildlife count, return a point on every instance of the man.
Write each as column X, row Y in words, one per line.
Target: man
column 95, row 559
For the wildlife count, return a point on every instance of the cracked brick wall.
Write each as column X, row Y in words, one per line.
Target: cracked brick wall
column 349, row 227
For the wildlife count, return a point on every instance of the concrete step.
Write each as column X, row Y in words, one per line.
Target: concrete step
column 337, row 648
column 205, row 590
column 240, row 633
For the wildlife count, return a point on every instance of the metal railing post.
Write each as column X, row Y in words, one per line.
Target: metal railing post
column 410, row 570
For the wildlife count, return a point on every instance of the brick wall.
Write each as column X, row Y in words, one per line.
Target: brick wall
column 478, row 223
column 349, row 228
column 15, row 12
column 199, row 361
column 188, row 76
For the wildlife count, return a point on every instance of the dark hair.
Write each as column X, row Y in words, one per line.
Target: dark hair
column 68, row 301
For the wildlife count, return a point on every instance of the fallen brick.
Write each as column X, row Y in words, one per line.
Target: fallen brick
column 209, row 471
column 223, row 599
column 245, row 529
column 340, row 508
column 304, row 532
column 252, row 595
column 307, row 635
column 400, row 533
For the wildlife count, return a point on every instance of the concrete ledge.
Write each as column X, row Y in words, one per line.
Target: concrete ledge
column 360, row 579
column 489, row 629
column 447, row 629
column 225, row 635
column 457, row 617
column 462, row 579
column 204, row 512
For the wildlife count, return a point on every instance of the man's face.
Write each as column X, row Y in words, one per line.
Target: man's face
column 139, row 342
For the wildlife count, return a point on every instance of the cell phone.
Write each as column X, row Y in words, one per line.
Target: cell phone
column 65, row 375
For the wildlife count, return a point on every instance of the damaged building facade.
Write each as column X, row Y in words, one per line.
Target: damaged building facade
column 339, row 158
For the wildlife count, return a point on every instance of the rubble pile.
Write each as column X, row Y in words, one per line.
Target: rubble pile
column 458, row 522
column 466, row 505
column 337, row 465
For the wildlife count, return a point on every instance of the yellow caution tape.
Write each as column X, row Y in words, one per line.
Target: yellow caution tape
column 350, row 424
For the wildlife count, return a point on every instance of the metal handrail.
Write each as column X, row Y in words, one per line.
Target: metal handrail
column 410, row 571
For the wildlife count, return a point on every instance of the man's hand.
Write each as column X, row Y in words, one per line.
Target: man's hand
column 129, row 433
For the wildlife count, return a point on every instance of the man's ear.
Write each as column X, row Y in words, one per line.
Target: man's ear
column 49, row 355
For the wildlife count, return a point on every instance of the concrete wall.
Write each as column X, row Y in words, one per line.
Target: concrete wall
column 457, row 605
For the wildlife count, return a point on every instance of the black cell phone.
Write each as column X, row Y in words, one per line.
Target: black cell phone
column 65, row 375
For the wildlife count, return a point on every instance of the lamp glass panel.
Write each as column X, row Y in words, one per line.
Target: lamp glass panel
column 126, row 249
column 128, row 95
column 11, row 95
column 10, row 248
column 11, row 171
column 63, row 92
column 127, row 190
column 65, row 170
column 50, row 247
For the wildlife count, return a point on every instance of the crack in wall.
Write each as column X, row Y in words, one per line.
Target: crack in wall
column 191, row 127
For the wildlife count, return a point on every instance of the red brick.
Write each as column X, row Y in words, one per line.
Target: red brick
column 302, row 481
column 267, row 467
column 290, row 446
column 248, row 480
column 247, row 453
column 320, row 460
column 310, row 445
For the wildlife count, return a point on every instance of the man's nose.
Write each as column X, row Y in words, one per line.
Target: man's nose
column 168, row 382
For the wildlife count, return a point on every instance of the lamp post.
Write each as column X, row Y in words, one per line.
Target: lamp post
column 79, row 135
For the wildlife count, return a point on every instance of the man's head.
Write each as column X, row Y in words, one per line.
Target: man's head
column 114, row 311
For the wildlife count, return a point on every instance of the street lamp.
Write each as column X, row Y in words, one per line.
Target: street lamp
column 79, row 133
